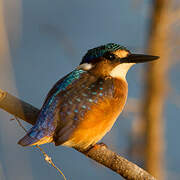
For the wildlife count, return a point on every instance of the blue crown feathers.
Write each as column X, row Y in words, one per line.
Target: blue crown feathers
column 100, row 51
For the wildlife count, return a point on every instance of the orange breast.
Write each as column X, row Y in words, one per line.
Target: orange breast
column 100, row 119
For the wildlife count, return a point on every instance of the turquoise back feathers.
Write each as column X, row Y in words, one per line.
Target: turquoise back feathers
column 100, row 51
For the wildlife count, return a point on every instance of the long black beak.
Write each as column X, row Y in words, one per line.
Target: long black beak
column 138, row 58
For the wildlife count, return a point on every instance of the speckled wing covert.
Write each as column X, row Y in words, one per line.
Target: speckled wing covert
column 76, row 102
column 46, row 122
column 64, row 108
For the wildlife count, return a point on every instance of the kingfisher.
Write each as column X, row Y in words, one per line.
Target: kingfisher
column 83, row 106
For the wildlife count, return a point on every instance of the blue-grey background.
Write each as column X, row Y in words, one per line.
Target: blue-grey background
column 46, row 40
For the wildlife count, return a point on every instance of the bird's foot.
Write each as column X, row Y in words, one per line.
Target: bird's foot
column 96, row 146
column 102, row 144
column 92, row 147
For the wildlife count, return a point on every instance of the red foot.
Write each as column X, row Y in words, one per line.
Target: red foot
column 97, row 146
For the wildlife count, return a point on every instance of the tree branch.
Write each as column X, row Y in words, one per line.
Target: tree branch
column 99, row 153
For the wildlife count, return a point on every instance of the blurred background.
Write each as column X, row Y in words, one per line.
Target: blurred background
column 42, row 40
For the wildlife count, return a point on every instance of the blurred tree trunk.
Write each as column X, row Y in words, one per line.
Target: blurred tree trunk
column 156, row 83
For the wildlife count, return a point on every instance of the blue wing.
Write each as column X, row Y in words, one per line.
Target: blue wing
column 46, row 124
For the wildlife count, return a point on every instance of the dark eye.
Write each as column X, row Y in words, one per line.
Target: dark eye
column 109, row 56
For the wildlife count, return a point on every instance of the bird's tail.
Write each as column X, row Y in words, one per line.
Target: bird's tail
column 36, row 137
column 28, row 140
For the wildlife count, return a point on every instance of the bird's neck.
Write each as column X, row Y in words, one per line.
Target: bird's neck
column 120, row 90
column 121, row 70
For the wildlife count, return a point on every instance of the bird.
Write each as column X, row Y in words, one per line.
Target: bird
column 83, row 106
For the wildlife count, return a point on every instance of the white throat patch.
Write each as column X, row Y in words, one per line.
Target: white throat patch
column 121, row 70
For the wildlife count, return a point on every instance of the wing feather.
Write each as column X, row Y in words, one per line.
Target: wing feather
column 47, row 118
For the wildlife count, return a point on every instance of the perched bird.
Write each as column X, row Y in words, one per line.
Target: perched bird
column 83, row 106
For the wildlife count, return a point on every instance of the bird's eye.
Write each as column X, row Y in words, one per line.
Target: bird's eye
column 109, row 56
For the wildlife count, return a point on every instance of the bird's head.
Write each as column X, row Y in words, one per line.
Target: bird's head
column 112, row 60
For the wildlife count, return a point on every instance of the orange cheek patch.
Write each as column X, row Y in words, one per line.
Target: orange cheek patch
column 121, row 53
